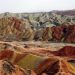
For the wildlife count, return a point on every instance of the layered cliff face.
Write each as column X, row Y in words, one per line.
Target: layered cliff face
column 64, row 33
column 37, row 27
column 14, row 29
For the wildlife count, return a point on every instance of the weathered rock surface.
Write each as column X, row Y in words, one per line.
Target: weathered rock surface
column 37, row 26
column 7, row 68
column 38, row 60
column 64, row 33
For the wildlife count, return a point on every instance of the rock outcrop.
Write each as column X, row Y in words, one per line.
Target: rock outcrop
column 35, row 60
column 7, row 68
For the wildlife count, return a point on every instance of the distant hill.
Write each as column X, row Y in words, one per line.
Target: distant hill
column 66, row 12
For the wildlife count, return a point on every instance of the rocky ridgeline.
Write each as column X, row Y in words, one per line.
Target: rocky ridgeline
column 42, row 19
column 37, row 26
